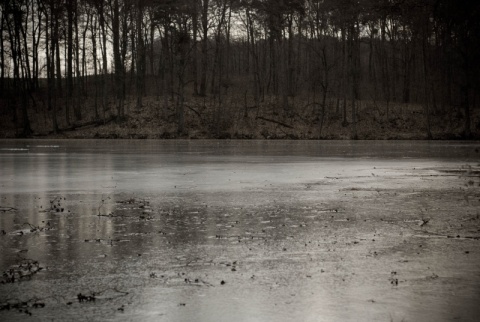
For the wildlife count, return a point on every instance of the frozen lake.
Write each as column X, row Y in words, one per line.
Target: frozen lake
column 239, row 230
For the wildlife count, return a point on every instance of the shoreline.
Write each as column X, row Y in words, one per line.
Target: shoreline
column 264, row 123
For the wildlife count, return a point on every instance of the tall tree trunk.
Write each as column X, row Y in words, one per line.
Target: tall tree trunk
column 69, row 59
column 203, row 75
column 393, row 44
column 26, row 52
column 58, row 62
column 84, row 61
column 354, row 70
column 140, row 79
column 117, row 58
column 79, row 81
column 36, row 43
column 217, row 47
column 325, row 86
column 2, row 56
column 182, row 48
column 256, row 77
column 344, row 75
column 385, row 67
column 51, row 34
column 406, row 73
column 227, row 55
column 93, row 35
column 195, row 49
column 103, row 30
column 465, row 91
column 426, row 85
column 26, row 77
column 290, row 59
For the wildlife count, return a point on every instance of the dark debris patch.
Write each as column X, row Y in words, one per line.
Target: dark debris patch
column 393, row 279
column 7, row 209
column 107, row 294
column 34, row 229
column 30, row 230
column 104, row 241
column 128, row 201
column 135, row 203
column 86, row 298
column 25, row 269
column 22, row 306
column 56, row 205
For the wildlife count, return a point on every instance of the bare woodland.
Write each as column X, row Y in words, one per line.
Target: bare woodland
column 70, row 64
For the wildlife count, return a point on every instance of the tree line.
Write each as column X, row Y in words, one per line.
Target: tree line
column 114, row 51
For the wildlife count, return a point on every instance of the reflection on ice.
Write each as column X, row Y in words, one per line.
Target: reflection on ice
column 13, row 149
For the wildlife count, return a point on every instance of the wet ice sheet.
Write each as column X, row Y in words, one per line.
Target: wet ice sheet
column 310, row 231
column 153, row 166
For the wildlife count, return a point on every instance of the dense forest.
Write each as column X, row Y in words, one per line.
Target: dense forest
column 217, row 65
